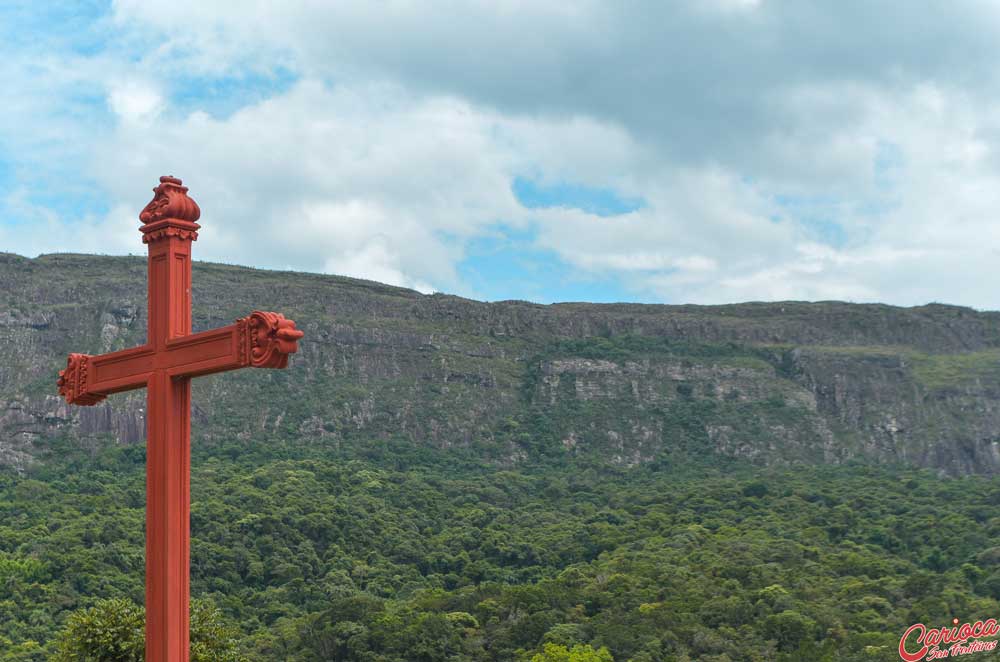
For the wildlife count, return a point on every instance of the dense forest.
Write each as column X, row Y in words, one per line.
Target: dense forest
column 395, row 552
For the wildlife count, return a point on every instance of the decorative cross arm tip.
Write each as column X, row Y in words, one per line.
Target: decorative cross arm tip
column 72, row 381
column 266, row 339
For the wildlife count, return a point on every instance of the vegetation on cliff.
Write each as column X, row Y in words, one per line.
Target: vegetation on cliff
column 775, row 383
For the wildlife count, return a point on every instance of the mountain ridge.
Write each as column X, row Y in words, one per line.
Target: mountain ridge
column 773, row 382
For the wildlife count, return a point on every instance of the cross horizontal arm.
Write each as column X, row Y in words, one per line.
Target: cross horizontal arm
column 260, row 340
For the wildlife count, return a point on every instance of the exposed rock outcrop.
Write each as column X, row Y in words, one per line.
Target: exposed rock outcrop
column 775, row 383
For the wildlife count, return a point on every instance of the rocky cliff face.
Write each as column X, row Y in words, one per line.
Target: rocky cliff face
column 782, row 382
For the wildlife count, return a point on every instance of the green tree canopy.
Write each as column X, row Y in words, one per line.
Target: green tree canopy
column 114, row 631
column 579, row 653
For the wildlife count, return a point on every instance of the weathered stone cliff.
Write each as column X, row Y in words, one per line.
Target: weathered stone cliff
column 773, row 382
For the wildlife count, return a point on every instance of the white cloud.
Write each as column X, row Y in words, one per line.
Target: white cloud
column 135, row 101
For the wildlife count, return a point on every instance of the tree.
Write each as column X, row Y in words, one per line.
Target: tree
column 110, row 631
column 579, row 653
column 114, row 631
column 789, row 629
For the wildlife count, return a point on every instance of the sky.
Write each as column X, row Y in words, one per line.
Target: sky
column 711, row 151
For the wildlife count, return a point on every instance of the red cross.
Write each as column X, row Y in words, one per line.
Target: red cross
column 165, row 365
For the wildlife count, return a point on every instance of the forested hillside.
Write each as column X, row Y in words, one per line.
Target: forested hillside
column 403, row 553
column 435, row 478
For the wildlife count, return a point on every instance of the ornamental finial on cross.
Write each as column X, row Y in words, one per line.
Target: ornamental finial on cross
column 164, row 366
column 170, row 211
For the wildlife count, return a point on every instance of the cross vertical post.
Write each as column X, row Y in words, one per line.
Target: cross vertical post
column 165, row 365
column 168, row 439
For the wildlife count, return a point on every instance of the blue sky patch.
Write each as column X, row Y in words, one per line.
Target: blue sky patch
column 888, row 162
column 220, row 97
column 74, row 26
column 818, row 214
column 599, row 201
column 509, row 265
